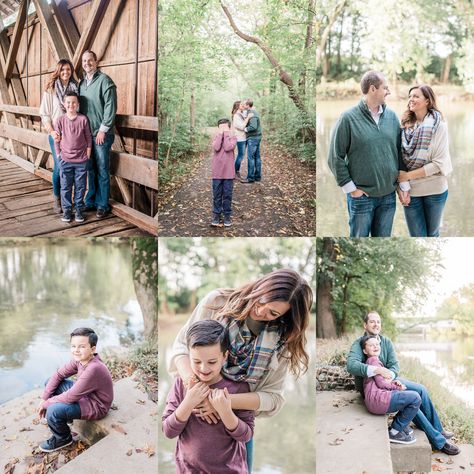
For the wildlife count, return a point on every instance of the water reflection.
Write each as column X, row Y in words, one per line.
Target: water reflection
column 452, row 360
column 283, row 443
column 459, row 214
column 48, row 289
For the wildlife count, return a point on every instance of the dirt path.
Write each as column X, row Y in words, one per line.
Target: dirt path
column 280, row 205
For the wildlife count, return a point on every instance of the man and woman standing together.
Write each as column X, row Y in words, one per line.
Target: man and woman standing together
column 80, row 146
column 244, row 131
column 371, row 157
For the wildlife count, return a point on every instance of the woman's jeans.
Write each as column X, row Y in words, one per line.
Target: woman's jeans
column 406, row 403
column 59, row 414
column 424, row 214
column 249, row 447
column 56, row 179
column 240, row 154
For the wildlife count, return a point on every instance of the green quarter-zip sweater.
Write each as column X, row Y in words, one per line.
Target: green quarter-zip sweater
column 98, row 101
column 366, row 152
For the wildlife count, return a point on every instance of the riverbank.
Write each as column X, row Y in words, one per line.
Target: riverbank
column 455, row 415
column 350, row 89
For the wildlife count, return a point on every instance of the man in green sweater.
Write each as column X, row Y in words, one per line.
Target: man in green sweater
column 427, row 418
column 98, row 100
column 364, row 156
column 253, row 132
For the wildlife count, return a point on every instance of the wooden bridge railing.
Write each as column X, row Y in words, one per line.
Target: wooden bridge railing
column 123, row 166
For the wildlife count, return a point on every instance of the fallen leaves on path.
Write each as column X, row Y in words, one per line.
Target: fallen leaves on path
column 149, row 450
column 10, row 466
column 336, row 442
column 118, row 428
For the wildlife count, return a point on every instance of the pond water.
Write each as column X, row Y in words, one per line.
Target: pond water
column 283, row 443
column 49, row 288
column 453, row 360
column 459, row 213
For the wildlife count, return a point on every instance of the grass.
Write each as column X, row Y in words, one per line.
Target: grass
column 454, row 414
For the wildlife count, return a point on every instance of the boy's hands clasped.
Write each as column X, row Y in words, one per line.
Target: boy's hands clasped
column 220, row 400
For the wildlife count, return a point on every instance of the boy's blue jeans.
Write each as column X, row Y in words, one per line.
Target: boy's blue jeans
column 240, row 154
column 254, row 162
column 56, row 180
column 59, row 414
column 99, row 174
column 222, row 196
column 424, row 214
column 427, row 418
column 73, row 174
column 406, row 403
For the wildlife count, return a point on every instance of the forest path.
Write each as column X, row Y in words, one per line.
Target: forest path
column 280, row 205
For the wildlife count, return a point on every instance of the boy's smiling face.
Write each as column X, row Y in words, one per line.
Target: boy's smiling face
column 81, row 349
column 71, row 104
column 206, row 362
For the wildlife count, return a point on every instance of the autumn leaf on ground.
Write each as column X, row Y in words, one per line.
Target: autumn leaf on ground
column 148, row 450
column 347, row 430
column 336, row 442
column 118, row 428
column 129, row 452
column 34, row 468
column 26, row 429
column 36, row 421
column 141, row 402
column 438, row 468
column 10, row 467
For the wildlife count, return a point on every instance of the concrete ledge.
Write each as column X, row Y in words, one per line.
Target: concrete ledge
column 348, row 439
column 412, row 457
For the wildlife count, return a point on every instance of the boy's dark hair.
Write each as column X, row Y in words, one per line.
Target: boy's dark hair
column 207, row 333
column 364, row 340
column 223, row 120
column 71, row 94
column 93, row 338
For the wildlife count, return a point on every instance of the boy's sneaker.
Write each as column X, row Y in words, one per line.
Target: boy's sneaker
column 408, row 430
column 401, row 437
column 216, row 220
column 67, row 216
column 101, row 213
column 53, row 444
column 79, row 217
column 227, row 221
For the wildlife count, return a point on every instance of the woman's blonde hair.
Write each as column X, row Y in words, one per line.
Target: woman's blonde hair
column 55, row 74
column 279, row 285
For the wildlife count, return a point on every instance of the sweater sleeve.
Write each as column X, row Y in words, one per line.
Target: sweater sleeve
column 380, row 381
column 441, row 159
column 87, row 132
column 354, row 365
column 217, row 141
column 338, row 148
column 85, row 384
column 392, row 362
column 252, row 125
column 46, row 109
column 63, row 373
column 110, row 104
column 244, row 430
column 238, row 122
column 229, row 142
column 171, row 426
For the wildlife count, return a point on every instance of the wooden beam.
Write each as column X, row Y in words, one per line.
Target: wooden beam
column 26, row 136
column 66, row 25
column 134, row 168
column 16, row 39
column 21, row 162
column 43, row 10
column 137, row 218
column 20, row 110
column 91, row 27
column 139, row 122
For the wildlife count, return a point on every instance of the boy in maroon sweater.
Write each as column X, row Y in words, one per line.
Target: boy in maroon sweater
column 73, row 151
column 202, row 447
column 88, row 398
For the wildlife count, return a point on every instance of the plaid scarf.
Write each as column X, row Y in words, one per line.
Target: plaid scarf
column 249, row 355
column 416, row 141
column 61, row 90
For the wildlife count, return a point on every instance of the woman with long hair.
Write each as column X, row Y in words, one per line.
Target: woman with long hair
column 266, row 321
column 59, row 83
column 240, row 119
column 425, row 155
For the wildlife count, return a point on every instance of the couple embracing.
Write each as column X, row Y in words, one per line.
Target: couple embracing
column 372, row 156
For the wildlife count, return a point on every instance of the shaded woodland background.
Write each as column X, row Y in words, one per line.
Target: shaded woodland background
column 213, row 52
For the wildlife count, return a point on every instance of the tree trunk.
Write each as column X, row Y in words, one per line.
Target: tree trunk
column 283, row 75
column 325, row 320
column 307, row 45
column 145, row 280
column 446, row 69
column 192, row 114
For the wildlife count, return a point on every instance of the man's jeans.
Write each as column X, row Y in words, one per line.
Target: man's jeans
column 73, row 174
column 427, row 418
column 56, row 179
column 424, row 214
column 240, row 154
column 371, row 215
column 406, row 403
column 222, row 196
column 59, row 414
column 99, row 175
column 254, row 162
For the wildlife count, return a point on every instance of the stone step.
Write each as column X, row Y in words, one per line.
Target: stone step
column 412, row 457
column 117, row 452
column 349, row 439
column 461, row 463
column 21, row 407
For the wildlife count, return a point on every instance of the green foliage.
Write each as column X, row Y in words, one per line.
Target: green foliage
column 385, row 275
column 459, row 307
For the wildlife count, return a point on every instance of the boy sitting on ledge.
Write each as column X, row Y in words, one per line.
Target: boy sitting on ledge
column 88, row 398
